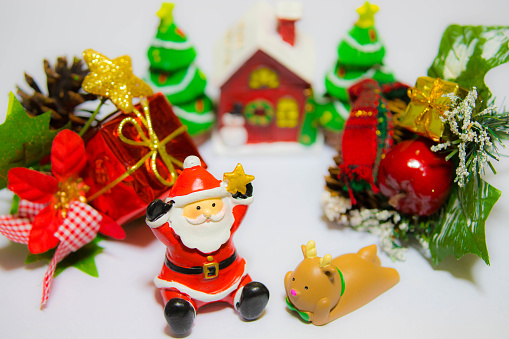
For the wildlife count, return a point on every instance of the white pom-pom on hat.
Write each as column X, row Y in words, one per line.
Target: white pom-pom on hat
column 192, row 161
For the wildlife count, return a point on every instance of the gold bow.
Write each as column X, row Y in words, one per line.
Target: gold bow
column 152, row 142
column 420, row 98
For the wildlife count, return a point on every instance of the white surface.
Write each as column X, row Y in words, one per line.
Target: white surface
column 464, row 299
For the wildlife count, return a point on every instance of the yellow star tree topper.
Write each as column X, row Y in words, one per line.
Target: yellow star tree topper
column 113, row 79
column 366, row 15
column 165, row 13
column 237, row 180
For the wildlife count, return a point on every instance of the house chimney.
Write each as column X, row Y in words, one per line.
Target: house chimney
column 287, row 13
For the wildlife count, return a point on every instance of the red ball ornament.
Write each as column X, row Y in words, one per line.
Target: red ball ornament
column 416, row 179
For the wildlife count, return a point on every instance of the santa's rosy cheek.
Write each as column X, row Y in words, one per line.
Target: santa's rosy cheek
column 216, row 206
column 192, row 211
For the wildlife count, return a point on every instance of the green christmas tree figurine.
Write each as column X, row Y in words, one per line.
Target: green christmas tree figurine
column 360, row 56
column 174, row 73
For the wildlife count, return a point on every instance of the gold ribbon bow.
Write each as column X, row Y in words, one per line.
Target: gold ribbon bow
column 157, row 148
column 429, row 100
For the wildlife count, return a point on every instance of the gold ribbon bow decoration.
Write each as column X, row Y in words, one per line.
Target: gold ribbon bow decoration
column 156, row 146
column 430, row 101
column 152, row 142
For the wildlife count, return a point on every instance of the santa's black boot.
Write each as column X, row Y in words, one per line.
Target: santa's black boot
column 253, row 300
column 179, row 315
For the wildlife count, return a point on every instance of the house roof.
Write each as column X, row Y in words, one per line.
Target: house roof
column 257, row 30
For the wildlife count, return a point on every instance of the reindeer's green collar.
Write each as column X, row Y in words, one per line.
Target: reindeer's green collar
column 342, row 281
column 303, row 315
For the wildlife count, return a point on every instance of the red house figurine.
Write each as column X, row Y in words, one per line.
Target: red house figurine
column 264, row 68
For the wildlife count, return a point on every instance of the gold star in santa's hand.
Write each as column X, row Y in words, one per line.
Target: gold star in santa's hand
column 113, row 79
column 237, row 180
column 366, row 15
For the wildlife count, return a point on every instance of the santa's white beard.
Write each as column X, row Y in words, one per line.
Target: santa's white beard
column 207, row 236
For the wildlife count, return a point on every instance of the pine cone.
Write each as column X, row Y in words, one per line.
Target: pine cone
column 365, row 198
column 64, row 93
column 398, row 107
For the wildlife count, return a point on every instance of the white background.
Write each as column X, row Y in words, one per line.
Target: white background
column 460, row 299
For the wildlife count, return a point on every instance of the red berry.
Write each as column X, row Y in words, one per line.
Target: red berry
column 416, row 179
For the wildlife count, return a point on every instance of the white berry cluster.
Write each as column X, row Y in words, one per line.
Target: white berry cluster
column 375, row 221
column 471, row 136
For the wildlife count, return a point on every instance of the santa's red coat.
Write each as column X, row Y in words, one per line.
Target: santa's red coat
column 196, row 285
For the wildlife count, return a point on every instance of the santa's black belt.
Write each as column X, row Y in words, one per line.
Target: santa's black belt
column 211, row 269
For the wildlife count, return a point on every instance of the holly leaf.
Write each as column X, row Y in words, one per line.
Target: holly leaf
column 462, row 228
column 467, row 53
column 15, row 204
column 83, row 259
column 24, row 140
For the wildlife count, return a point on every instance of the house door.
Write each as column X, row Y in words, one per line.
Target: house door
column 286, row 127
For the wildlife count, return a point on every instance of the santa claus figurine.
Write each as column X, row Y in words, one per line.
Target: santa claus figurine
column 196, row 223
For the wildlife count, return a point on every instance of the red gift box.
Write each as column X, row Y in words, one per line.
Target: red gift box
column 111, row 156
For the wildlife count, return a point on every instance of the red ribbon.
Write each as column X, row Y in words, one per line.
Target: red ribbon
column 78, row 228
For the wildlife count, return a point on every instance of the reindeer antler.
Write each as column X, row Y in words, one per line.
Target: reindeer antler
column 309, row 250
column 325, row 261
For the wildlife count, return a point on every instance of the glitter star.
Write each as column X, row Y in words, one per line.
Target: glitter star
column 366, row 15
column 237, row 180
column 114, row 80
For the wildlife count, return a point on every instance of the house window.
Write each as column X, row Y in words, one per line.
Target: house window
column 263, row 78
column 287, row 113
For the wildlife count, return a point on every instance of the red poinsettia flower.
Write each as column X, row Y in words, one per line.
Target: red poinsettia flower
column 60, row 192
column 53, row 210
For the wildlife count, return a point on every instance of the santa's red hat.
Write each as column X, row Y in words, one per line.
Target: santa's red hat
column 195, row 183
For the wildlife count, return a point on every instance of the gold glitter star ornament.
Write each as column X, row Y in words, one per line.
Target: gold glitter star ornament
column 113, row 79
column 237, row 180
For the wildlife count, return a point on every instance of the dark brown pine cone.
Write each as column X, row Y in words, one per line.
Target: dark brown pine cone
column 64, row 93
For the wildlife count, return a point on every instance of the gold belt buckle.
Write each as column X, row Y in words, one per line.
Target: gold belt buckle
column 211, row 270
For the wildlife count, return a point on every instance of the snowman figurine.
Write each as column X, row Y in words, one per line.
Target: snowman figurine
column 233, row 132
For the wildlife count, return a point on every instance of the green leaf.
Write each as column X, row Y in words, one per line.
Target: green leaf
column 46, row 256
column 461, row 229
column 83, row 259
column 467, row 53
column 24, row 140
column 15, row 204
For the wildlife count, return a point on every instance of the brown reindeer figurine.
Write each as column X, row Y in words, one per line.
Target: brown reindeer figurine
column 324, row 289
